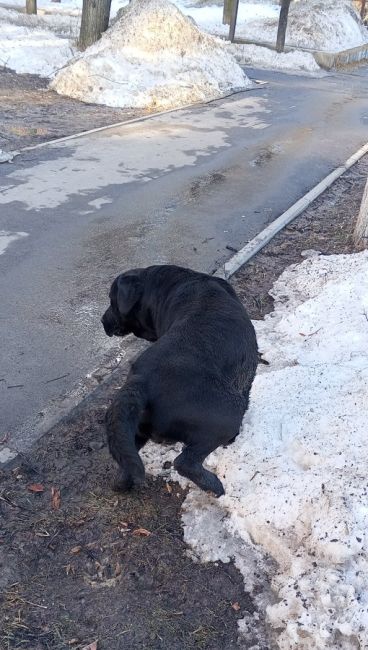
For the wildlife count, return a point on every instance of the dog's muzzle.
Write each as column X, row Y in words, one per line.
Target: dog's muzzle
column 110, row 324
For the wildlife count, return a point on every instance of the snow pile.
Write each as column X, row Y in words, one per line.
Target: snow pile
column 153, row 57
column 329, row 25
column 326, row 25
column 263, row 57
column 296, row 477
column 28, row 44
column 7, row 156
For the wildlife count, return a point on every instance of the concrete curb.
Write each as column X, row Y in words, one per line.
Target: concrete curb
column 256, row 83
column 11, row 456
column 326, row 60
column 249, row 250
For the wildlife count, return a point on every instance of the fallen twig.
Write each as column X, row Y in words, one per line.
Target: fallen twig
column 57, row 378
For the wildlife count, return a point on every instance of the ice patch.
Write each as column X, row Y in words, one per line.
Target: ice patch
column 168, row 142
column 6, row 238
column 7, row 156
column 98, row 203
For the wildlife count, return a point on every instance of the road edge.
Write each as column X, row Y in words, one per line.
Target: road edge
column 255, row 84
column 267, row 234
column 225, row 271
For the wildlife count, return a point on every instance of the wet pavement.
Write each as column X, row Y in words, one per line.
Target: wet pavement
column 188, row 187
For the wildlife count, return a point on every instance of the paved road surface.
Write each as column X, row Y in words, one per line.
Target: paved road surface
column 177, row 188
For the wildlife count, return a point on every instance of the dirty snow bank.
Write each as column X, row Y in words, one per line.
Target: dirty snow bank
column 296, row 477
column 152, row 57
column 262, row 57
column 326, row 25
column 329, row 25
column 28, row 44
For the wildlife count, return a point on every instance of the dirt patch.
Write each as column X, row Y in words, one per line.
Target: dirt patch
column 326, row 226
column 30, row 113
column 100, row 565
column 103, row 565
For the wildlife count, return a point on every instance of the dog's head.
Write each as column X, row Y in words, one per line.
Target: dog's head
column 125, row 295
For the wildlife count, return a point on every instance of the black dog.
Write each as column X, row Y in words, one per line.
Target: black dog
column 192, row 386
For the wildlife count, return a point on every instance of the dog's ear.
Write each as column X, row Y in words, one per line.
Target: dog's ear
column 129, row 291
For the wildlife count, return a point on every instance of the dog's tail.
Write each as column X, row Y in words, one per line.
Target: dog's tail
column 122, row 422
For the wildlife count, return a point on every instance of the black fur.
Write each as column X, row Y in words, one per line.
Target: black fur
column 192, row 386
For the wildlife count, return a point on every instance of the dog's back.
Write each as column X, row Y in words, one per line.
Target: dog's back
column 192, row 385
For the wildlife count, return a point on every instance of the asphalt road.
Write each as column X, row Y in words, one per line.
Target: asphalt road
column 183, row 188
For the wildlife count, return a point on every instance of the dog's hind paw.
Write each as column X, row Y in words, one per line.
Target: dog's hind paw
column 215, row 487
column 219, row 492
column 124, row 483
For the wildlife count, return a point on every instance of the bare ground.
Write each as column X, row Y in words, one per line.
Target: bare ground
column 31, row 114
column 95, row 565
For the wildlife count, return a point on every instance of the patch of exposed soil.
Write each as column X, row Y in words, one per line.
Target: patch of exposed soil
column 103, row 565
column 30, row 113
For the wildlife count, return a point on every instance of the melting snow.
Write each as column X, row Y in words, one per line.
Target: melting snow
column 296, row 477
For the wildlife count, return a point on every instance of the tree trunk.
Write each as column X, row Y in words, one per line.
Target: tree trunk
column 31, row 6
column 234, row 17
column 361, row 227
column 95, row 21
column 362, row 9
column 226, row 15
column 281, row 31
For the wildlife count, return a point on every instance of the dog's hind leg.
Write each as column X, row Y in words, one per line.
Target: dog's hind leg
column 144, row 432
column 124, row 439
column 231, row 441
column 189, row 464
column 140, row 441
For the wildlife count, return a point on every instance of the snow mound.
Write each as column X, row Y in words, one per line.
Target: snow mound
column 329, row 25
column 296, row 477
column 262, row 57
column 152, row 57
column 325, row 24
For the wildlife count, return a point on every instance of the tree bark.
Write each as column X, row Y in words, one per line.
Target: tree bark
column 31, row 6
column 226, row 15
column 95, row 21
column 362, row 9
column 233, row 19
column 360, row 235
column 281, row 31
